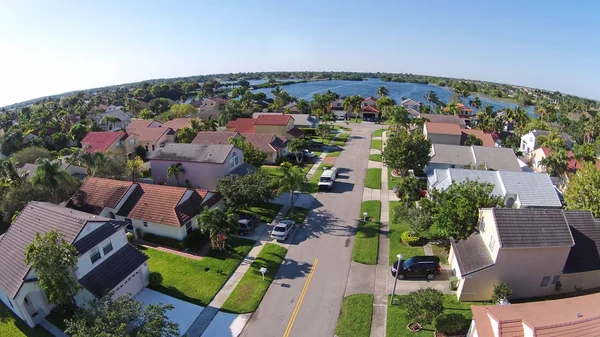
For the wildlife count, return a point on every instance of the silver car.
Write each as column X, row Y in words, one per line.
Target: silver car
column 281, row 231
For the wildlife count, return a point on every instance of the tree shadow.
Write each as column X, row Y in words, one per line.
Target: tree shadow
column 322, row 221
column 291, row 269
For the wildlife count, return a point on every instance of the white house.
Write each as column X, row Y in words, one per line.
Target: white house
column 529, row 141
column 106, row 262
column 410, row 105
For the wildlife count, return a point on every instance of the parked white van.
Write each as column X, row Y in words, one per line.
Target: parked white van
column 327, row 179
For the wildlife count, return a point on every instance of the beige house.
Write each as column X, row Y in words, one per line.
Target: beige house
column 536, row 252
column 442, row 133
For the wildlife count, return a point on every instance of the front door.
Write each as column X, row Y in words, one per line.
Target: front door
column 29, row 305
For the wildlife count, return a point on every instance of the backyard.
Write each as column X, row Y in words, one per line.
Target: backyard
column 366, row 245
column 355, row 318
column 196, row 281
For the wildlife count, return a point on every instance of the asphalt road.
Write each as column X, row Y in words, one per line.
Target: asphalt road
column 328, row 237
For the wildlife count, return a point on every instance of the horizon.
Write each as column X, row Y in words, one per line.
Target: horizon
column 65, row 47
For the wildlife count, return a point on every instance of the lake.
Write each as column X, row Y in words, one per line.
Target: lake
column 369, row 87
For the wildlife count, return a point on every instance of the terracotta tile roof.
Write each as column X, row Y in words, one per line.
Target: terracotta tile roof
column 214, row 137
column 486, row 138
column 272, row 119
column 242, row 125
column 100, row 141
column 573, row 164
column 161, row 204
column 370, row 98
column 265, row 142
column 295, row 132
column 97, row 193
column 140, row 124
column 573, row 316
column 369, row 108
column 177, row 123
column 151, row 134
column 36, row 217
column 443, row 128
column 461, row 107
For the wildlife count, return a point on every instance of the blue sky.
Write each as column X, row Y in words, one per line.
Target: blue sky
column 48, row 48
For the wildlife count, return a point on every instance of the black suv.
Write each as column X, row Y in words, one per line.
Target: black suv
column 418, row 266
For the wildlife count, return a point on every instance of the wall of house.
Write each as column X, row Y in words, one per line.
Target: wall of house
column 440, row 166
column 83, row 297
column 84, row 263
column 488, row 231
column 279, row 130
column 585, row 280
column 15, row 307
column 528, row 142
column 437, row 138
column 174, row 232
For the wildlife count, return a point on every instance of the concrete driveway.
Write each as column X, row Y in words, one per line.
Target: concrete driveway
column 403, row 287
column 183, row 313
column 226, row 325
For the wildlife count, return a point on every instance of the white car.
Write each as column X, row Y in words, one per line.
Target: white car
column 308, row 154
column 282, row 230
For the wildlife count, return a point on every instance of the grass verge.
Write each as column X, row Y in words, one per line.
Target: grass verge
column 196, row 281
column 299, row 214
column 312, row 186
column 247, row 295
column 396, row 245
column 397, row 325
column 375, row 157
column 376, row 144
column 12, row 326
column 378, row 132
column 393, row 181
column 266, row 211
column 334, row 153
column 355, row 318
column 366, row 245
column 373, row 179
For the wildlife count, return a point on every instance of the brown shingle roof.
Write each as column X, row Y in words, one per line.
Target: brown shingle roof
column 272, row 119
column 97, row 193
column 36, row 217
column 265, row 142
column 151, row 134
column 214, row 137
column 443, row 128
column 177, row 123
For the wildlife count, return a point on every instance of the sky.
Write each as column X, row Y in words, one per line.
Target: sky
column 51, row 47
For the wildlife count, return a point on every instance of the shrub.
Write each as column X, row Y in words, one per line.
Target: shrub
column 409, row 239
column 155, row 279
column 423, row 305
column 130, row 238
column 451, row 324
column 309, row 131
column 501, row 291
column 163, row 241
column 195, row 239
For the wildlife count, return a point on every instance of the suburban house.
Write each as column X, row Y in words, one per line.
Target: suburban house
column 280, row 125
column 150, row 138
column 573, row 316
column 177, row 123
column 203, row 164
column 156, row 209
column 434, row 118
column 274, row 146
column 529, row 141
column 411, row 106
column 213, row 103
column 369, row 101
column 464, row 111
column 106, row 262
column 455, row 156
column 142, row 124
column 519, row 189
column 104, row 141
column 442, row 133
column 300, row 120
column 79, row 172
column 537, row 155
column 486, row 138
column 215, row 137
column 535, row 251
column 114, row 112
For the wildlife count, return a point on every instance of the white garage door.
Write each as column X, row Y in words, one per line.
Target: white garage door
column 133, row 284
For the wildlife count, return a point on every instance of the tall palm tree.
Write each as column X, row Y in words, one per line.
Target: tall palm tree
column 196, row 124
column 475, row 103
column 452, row 109
column 174, row 170
column 545, row 111
column 352, row 104
column 291, row 180
column 382, row 91
column 219, row 226
column 431, row 98
column 47, row 173
column 230, row 111
column 209, row 124
column 110, row 120
column 303, row 106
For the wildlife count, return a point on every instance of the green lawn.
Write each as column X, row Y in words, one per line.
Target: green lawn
column 341, row 139
column 13, row 326
column 299, row 214
column 307, row 168
column 393, row 181
column 376, row 144
column 355, row 318
column 396, row 245
column 266, row 211
column 334, row 153
column 366, row 245
column 441, row 251
column 396, row 323
column 273, row 171
column 312, row 186
column 378, row 133
column 373, row 179
column 375, row 157
column 247, row 295
column 196, row 281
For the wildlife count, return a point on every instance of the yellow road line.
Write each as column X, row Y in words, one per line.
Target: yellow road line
column 288, row 330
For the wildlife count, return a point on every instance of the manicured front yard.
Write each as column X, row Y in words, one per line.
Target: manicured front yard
column 376, row 144
column 247, row 295
column 396, row 245
column 12, row 326
column 355, row 318
column 272, row 171
column 441, row 251
column 299, row 214
column 373, row 179
column 396, row 322
column 266, row 211
column 378, row 132
column 366, row 244
column 393, row 181
column 375, row 157
column 312, row 186
column 196, row 281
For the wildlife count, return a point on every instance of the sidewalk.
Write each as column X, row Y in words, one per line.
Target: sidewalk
column 320, row 159
column 209, row 313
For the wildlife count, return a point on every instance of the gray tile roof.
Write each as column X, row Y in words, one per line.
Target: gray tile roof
column 585, row 255
column 496, row 158
column 451, row 154
column 109, row 273
column 564, row 135
column 200, row 153
column 532, row 189
column 471, row 254
column 532, row 228
column 36, row 217
column 242, row 169
column 98, row 235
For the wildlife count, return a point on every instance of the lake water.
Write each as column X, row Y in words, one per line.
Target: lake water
column 369, row 87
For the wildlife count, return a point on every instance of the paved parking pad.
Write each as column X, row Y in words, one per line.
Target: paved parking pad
column 226, row 325
column 183, row 313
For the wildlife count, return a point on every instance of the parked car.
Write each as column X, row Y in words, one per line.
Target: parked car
column 417, row 266
column 308, row 154
column 282, row 230
column 327, row 179
column 247, row 223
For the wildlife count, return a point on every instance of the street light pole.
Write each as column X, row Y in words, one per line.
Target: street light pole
column 399, row 256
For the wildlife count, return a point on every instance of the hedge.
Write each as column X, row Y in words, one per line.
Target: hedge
column 410, row 240
column 164, row 241
column 309, row 131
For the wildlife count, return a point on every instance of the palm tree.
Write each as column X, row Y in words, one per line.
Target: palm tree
column 399, row 117
column 557, row 162
column 519, row 118
column 419, row 121
column 545, row 111
column 475, row 103
column 133, row 106
column 209, row 124
column 10, row 175
column 174, row 170
column 196, row 124
column 382, row 91
column 219, row 226
column 452, row 109
column 473, row 140
column 230, row 111
column 47, row 173
column 431, row 98
column 296, row 145
column 303, row 106
column 424, row 109
column 110, row 120
column 291, row 180
column 352, row 103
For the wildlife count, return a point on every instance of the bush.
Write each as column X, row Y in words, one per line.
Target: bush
column 163, row 241
column 130, row 237
column 451, row 324
column 155, row 279
column 195, row 239
column 410, row 240
column 423, row 305
column 501, row 291
column 309, row 131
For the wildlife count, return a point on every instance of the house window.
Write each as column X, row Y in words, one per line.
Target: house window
column 95, row 255
column 146, row 147
column 235, row 160
column 107, row 248
column 188, row 227
column 145, row 224
column 153, row 147
column 492, row 243
column 481, row 225
column 555, row 279
column 545, row 281
column 132, row 141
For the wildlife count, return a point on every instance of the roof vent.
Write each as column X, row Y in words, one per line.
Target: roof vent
column 579, row 315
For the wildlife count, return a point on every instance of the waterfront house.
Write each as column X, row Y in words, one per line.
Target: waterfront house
column 434, row 118
column 535, row 251
column 106, row 261
column 410, row 105
column 455, row 156
column 280, row 125
column 300, row 120
column 530, row 140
